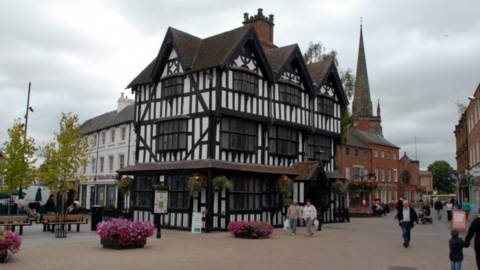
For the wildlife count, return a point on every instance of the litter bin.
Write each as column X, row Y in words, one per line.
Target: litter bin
column 97, row 212
column 34, row 205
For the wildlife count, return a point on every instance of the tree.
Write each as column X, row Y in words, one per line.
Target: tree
column 64, row 158
column 317, row 52
column 17, row 168
column 441, row 173
column 462, row 107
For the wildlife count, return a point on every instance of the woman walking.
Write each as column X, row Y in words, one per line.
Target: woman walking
column 466, row 207
column 309, row 215
column 449, row 207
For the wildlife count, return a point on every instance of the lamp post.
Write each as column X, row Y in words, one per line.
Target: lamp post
column 20, row 191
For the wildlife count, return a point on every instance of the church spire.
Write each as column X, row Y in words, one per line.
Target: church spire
column 362, row 103
column 378, row 109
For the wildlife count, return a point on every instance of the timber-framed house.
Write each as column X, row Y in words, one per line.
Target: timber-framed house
column 235, row 104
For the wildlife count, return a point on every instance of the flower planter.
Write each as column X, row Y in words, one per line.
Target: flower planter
column 115, row 244
column 3, row 257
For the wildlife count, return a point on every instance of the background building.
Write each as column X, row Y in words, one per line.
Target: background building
column 113, row 141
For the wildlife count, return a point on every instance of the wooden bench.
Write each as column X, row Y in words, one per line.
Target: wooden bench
column 54, row 220
column 15, row 220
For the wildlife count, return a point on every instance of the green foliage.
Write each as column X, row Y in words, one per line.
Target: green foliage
column 221, row 182
column 65, row 156
column 17, row 166
column 441, row 173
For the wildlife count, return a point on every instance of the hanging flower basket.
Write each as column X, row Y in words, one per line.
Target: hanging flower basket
column 339, row 187
column 353, row 186
column 430, row 192
column 284, row 186
column 197, row 183
column 125, row 185
column 9, row 244
column 221, row 182
column 373, row 185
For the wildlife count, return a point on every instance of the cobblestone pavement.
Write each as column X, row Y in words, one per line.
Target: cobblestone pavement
column 365, row 243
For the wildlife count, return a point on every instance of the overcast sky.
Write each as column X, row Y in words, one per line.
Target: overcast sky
column 422, row 56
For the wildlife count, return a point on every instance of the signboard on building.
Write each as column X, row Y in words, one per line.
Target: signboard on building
column 474, row 172
column 160, row 200
column 197, row 222
column 459, row 220
column 474, row 209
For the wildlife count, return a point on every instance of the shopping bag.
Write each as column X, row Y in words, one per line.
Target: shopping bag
column 316, row 223
column 286, row 225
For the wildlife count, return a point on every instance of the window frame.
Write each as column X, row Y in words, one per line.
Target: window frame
column 102, row 162
column 142, row 187
column 121, row 161
column 320, row 142
column 124, row 133
column 285, row 143
column 172, row 135
column 326, row 106
column 244, row 196
column 111, row 164
column 365, row 154
column 178, row 184
column 168, row 84
column 287, row 93
column 244, row 82
column 234, row 139
column 347, row 151
column 357, row 152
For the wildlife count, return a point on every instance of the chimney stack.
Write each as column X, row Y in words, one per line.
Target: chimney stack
column 123, row 102
column 263, row 26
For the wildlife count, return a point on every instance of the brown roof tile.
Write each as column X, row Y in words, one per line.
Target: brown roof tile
column 278, row 57
column 144, row 76
column 319, row 70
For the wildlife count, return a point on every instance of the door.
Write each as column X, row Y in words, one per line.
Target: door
column 92, row 196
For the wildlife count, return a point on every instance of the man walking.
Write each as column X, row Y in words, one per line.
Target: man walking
column 293, row 214
column 407, row 219
column 439, row 207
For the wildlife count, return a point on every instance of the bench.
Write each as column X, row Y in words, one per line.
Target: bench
column 15, row 220
column 55, row 220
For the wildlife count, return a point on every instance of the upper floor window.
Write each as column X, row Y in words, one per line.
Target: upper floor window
column 101, row 164
column 375, row 153
column 245, row 83
column 110, row 164
column 382, row 154
column 290, row 95
column 319, row 147
column 93, row 165
column 121, row 159
column 347, row 172
column 325, row 105
column 365, row 153
column 347, row 151
column 94, row 140
column 124, row 133
column 104, row 138
column 113, row 135
column 388, row 154
column 283, row 141
column 172, row 135
column 172, row 86
column 394, row 155
column 357, row 152
column 238, row 135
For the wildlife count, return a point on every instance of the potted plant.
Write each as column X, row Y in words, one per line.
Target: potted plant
column 9, row 244
column 125, row 185
column 284, row 186
column 338, row 187
column 197, row 183
column 250, row 229
column 221, row 182
column 122, row 233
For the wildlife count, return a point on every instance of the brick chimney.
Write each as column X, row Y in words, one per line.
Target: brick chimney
column 264, row 28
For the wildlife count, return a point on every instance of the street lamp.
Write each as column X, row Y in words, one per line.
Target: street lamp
column 29, row 109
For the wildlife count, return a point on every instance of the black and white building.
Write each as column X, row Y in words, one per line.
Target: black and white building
column 235, row 104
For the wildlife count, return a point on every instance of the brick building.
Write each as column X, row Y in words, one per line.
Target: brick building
column 461, row 138
column 426, row 180
column 409, row 187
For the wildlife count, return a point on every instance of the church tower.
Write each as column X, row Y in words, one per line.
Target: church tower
column 362, row 108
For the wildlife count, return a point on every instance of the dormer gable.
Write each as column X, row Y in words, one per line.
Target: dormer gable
column 327, row 81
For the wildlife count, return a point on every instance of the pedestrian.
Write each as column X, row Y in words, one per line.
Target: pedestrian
column 449, row 207
column 439, row 207
column 466, row 207
column 474, row 230
column 21, row 205
column 456, row 250
column 50, row 207
column 407, row 220
column 293, row 214
column 309, row 215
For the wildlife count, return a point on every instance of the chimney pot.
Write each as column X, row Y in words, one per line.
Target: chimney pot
column 245, row 17
column 270, row 17
column 260, row 12
column 121, row 95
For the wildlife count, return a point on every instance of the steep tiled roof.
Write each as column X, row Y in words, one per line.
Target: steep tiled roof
column 375, row 138
column 353, row 140
column 108, row 119
column 144, row 76
column 319, row 70
column 278, row 57
column 187, row 46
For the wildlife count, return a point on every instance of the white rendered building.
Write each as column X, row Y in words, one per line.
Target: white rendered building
column 113, row 140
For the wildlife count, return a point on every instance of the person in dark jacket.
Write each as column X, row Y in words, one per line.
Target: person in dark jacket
column 439, row 207
column 456, row 250
column 50, row 207
column 474, row 230
column 407, row 218
column 72, row 209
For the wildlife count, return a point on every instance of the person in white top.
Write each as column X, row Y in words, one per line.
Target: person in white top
column 21, row 205
column 309, row 215
column 449, row 207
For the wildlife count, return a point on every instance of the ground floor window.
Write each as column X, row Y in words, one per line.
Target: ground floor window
column 271, row 197
column 178, row 196
column 142, row 190
column 245, row 194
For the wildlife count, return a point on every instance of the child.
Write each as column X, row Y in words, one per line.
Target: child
column 456, row 253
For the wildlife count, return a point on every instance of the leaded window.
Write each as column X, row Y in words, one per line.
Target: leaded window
column 245, row 83
column 142, row 190
column 178, row 196
column 172, row 86
column 172, row 135
column 238, row 135
column 319, row 147
column 325, row 105
column 271, row 197
column 290, row 95
column 283, row 141
column 245, row 193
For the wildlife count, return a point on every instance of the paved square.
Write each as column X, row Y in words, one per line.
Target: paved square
column 365, row 243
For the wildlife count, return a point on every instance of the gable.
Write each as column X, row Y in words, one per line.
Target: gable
column 327, row 80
